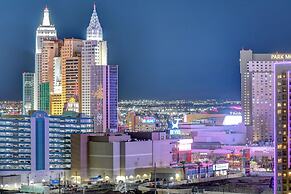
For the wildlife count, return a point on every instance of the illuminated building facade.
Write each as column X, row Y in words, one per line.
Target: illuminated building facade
column 44, row 97
column 183, row 150
column 39, row 145
column 130, row 120
column 224, row 134
column 50, row 50
column 73, row 78
column 257, row 98
column 99, row 87
column 72, row 105
column 282, row 134
column 56, row 105
column 204, row 118
column 141, row 123
column 94, row 30
column 71, row 63
column 104, row 97
column 46, row 31
column 92, row 54
column 27, row 93
column 57, row 75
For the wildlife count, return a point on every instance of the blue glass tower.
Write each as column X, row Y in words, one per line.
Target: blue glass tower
column 104, row 97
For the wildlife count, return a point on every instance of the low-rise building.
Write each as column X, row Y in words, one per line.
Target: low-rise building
column 115, row 156
column 229, row 131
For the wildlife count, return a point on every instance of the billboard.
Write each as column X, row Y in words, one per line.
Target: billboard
column 185, row 144
column 148, row 120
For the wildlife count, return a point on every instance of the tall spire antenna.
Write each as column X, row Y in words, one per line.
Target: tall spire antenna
column 46, row 17
column 94, row 30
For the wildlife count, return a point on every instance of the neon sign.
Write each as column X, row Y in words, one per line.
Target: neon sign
column 280, row 56
column 185, row 144
column 149, row 120
column 223, row 166
column 175, row 124
column 175, row 132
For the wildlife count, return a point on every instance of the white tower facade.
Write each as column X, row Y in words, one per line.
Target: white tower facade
column 99, row 96
column 46, row 31
column 94, row 30
column 94, row 52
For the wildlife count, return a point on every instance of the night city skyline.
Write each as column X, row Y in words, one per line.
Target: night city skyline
column 178, row 51
column 141, row 97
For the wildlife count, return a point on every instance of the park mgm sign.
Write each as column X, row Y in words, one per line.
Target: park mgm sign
column 281, row 56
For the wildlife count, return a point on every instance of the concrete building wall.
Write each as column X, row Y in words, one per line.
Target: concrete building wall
column 222, row 137
column 162, row 152
column 101, row 159
column 80, row 155
column 225, row 134
column 136, row 154
column 122, row 158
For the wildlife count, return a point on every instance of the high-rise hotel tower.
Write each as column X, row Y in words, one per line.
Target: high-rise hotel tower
column 99, row 88
column 71, row 69
column 73, row 75
column 282, row 133
column 46, row 46
column 257, row 96
column 46, row 31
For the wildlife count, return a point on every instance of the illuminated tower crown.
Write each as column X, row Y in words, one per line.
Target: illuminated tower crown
column 46, row 17
column 94, row 30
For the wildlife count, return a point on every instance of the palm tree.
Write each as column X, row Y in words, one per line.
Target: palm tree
column 184, row 168
column 199, row 165
column 214, row 164
column 207, row 162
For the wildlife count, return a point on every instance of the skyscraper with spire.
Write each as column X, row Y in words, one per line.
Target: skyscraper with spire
column 45, row 31
column 94, row 30
column 99, row 88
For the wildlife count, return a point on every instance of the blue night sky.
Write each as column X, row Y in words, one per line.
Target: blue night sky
column 166, row 49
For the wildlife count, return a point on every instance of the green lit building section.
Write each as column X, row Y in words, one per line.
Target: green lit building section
column 27, row 93
column 44, row 97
